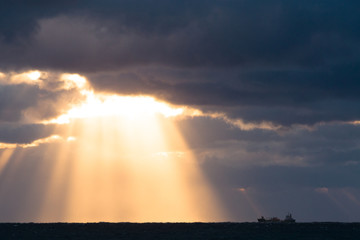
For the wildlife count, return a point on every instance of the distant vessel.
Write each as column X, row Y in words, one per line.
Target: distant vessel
column 288, row 219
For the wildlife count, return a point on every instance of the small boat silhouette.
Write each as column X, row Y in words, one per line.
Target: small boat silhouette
column 288, row 219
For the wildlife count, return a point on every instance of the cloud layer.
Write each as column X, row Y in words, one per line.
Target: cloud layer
column 284, row 62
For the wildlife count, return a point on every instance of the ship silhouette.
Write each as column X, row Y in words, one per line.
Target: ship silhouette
column 288, row 219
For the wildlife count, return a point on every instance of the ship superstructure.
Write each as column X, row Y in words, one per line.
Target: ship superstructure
column 288, row 219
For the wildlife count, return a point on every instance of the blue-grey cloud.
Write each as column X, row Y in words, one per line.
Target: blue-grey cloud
column 16, row 98
column 205, row 33
column 26, row 101
column 24, row 133
column 324, row 145
column 281, row 61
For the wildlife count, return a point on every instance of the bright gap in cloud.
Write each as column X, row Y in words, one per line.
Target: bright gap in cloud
column 118, row 158
column 73, row 81
column 30, row 77
column 99, row 105
column 36, row 143
column 34, row 75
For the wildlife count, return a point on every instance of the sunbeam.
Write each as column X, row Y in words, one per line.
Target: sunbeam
column 127, row 169
column 111, row 158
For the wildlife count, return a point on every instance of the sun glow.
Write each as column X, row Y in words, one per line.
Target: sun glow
column 34, row 75
column 136, row 169
column 36, row 143
column 104, row 105
column 31, row 77
column 114, row 158
column 73, row 81
column 2, row 75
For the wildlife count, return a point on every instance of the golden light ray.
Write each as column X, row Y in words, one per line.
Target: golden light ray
column 120, row 169
column 4, row 157
column 250, row 201
column 2, row 75
column 29, row 188
column 117, row 158
column 351, row 197
column 58, row 181
column 331, row 195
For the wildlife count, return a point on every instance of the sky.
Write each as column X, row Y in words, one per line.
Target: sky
column 216, row 110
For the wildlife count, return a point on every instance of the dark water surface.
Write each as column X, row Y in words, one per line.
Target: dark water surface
column 179, row 231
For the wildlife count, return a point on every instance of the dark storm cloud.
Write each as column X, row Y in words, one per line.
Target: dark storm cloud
column 14, row 99
column 28, row 102
column 215, row 33
column 23, row 104
column 24, row 133
column 287, row 62
column 282, row 97
column 19, row 18
column 326, row 145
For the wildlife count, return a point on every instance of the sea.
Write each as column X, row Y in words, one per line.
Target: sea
column 180, row 231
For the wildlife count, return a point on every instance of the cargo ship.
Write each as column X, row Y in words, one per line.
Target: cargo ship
column 288, row 219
